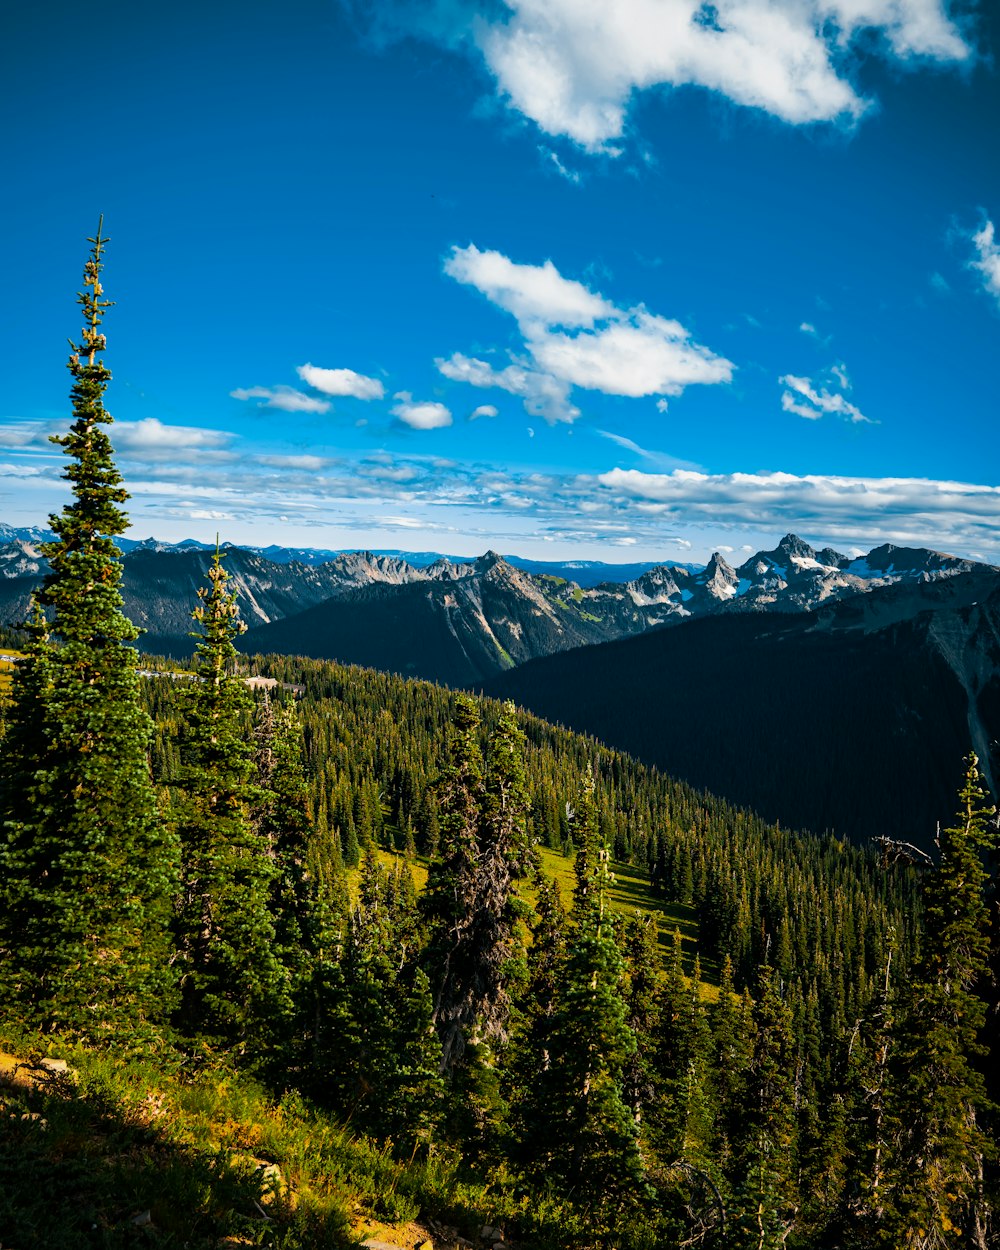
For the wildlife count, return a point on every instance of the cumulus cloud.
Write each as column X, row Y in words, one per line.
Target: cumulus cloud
column 806, row 398
column 422, row 416
column 533, row 293
column 988, row 258
column 340, row 382
column 484, row 410
column 286, row 398
column 575, row 337
column 149, row 434
column 573, row 66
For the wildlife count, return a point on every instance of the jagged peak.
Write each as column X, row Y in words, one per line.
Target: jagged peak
column 793, row 545
column 719, row 564
column 488, row 560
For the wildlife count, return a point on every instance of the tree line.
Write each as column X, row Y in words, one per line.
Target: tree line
column 196, row 863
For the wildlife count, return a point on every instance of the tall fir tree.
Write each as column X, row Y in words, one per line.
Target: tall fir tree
column 86, row 868
column 232, row 987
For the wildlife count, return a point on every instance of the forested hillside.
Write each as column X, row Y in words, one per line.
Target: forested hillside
column 208, row 900
column 854, row 718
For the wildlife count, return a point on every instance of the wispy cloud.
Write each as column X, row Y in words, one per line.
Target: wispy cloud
column 484, row 410
column 304, row 461
column 571, row 175
column 574, row 337
column 987, row 261
column 543, row 395
column 286, row 398
column 812, row 400
column 340, row 382
column 659, row 458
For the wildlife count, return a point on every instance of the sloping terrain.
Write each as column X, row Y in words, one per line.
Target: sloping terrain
column 480, row 620
column 853, row 718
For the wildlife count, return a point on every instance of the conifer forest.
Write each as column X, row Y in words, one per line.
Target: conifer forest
column 448, row 964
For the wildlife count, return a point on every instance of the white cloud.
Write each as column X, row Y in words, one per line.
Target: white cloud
column 484, row 410
column 149, row 434
column 340, row 382
column 988, row 264
column 20, row 435
column 638, row 354
column 571, row 175
column 575, row 337
column 543, row 395
column 573, row 66
column 287, row 398
column 422, row 416
column 903, row 509
column 304, row 461
column 533, row 293
column 808, row 328
column 622, row 441
column 210, row 514
column 805, row 398
column 658, row 458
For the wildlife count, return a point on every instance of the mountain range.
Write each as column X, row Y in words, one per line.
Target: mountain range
column 822, row 689
column 584, row 572
column 463, row 622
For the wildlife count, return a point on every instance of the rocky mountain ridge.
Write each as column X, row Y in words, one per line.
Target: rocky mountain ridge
column 461, row 622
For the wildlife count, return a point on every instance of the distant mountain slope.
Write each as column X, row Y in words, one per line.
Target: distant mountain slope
column 854, row 717
column 457, row 624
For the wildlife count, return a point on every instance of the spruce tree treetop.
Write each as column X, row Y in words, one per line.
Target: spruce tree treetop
column 85, row 563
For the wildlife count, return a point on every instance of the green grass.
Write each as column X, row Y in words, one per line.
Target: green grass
column 125, row 1153
column 631, row 894
column 7, row 667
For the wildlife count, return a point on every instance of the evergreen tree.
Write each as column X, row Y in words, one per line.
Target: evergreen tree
column 936, row 1193
column 283, row 821
column 471, row 903
column 86, row 869
column 764, row 1178
column 231, row 981
column 385, row 1072
column 579, row 1130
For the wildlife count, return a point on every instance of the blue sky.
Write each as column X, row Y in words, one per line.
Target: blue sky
column 557, row 277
